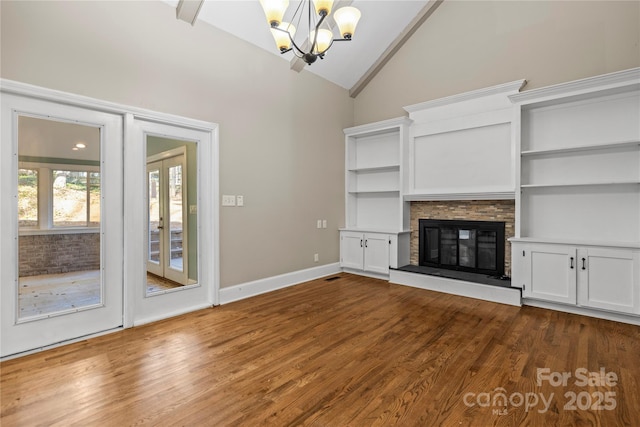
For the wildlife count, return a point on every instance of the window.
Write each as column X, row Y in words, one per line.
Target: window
column 76, row 198
column 65, row 196
column 27, row 198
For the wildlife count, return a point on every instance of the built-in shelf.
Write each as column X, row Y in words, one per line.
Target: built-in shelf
column 386, row 168
column 372, row 192
column 580, row 184
column 606, row 146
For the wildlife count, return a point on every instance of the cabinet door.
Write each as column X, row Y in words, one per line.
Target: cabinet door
column 609, row 279
column 376, row 253
column 352, row 250
column 520, row 266
column 552, row 274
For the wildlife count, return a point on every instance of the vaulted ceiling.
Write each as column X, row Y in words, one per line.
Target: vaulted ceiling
column 383, row 28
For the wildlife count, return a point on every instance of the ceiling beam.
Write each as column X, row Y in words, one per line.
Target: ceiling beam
column 395, row 46
column 188, row 10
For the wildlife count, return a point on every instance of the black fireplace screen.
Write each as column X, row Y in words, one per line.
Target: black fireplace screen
column 473, row 246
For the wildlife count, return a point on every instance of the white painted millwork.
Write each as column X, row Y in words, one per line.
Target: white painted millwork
column 377, row 216
column 546, row 272
column 461, row 146
column 590, row 277
column 367, row 252
column 609, row 279
column 578, row 209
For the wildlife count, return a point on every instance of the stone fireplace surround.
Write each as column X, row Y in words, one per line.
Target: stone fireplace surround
column 469, row 210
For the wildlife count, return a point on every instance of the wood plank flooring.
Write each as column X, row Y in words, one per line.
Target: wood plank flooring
column 52, row 293
column 347, row 352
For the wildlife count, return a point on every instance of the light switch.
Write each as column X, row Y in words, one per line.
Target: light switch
column 228, row 200
column 324, row 223
column 319, row 224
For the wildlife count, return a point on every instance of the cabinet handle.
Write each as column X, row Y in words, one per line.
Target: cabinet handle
column 365, row 243
column 360, row 242
column 584, row 267
column 572, row 263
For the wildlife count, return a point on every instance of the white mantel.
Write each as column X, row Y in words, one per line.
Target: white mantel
column 461, row 147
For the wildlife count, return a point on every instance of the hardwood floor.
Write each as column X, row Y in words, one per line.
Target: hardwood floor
column 51, row 293
column 352, row 351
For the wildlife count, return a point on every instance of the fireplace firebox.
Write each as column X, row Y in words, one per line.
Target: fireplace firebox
column 471, row 246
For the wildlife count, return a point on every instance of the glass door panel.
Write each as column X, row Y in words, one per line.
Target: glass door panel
column 59, row 239
column 172, row 236
column 155, row 225
column 176, row 213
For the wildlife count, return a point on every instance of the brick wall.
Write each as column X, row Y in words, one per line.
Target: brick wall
column 58, row 253
column 470, row 210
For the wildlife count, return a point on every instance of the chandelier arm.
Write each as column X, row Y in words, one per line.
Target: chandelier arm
column 315, row 34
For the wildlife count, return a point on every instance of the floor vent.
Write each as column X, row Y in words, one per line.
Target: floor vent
column 330, row 279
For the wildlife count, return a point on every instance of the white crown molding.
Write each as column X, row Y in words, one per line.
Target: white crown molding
column 378, row 126
column 505, row 88
column 603, row 82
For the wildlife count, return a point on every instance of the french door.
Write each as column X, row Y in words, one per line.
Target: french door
column 168, row 241
column 169, row 208
column 75, row 216
column 61, row 177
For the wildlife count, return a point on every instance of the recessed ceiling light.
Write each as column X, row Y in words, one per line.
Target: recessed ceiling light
column 80, row 145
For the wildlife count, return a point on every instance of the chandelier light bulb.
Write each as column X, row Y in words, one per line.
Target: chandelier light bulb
column 283, row 34
column 323, row 6
column 347, row 18
column 274, row 10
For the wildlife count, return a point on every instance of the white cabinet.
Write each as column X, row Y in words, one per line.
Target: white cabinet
column 546, row 272
column 367, row 252
column 609, row 279
column 592, row 277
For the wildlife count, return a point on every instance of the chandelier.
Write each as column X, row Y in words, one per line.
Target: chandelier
column 319, row 37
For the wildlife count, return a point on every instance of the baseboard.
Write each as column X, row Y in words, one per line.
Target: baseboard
column 510, row 296
column 269, row 284
column 606, row 315
column 155, row 318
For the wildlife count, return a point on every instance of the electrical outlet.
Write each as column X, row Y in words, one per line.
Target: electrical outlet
column 228, row 200
column 319, row 224
column 240, row 200
column 316, row 258
column 193, row 209
column 324, row 223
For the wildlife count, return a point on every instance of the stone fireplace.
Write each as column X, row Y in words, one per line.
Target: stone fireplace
column 463, row 210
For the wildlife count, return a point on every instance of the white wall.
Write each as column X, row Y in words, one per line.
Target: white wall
column 468, row 45
column 273, row 150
